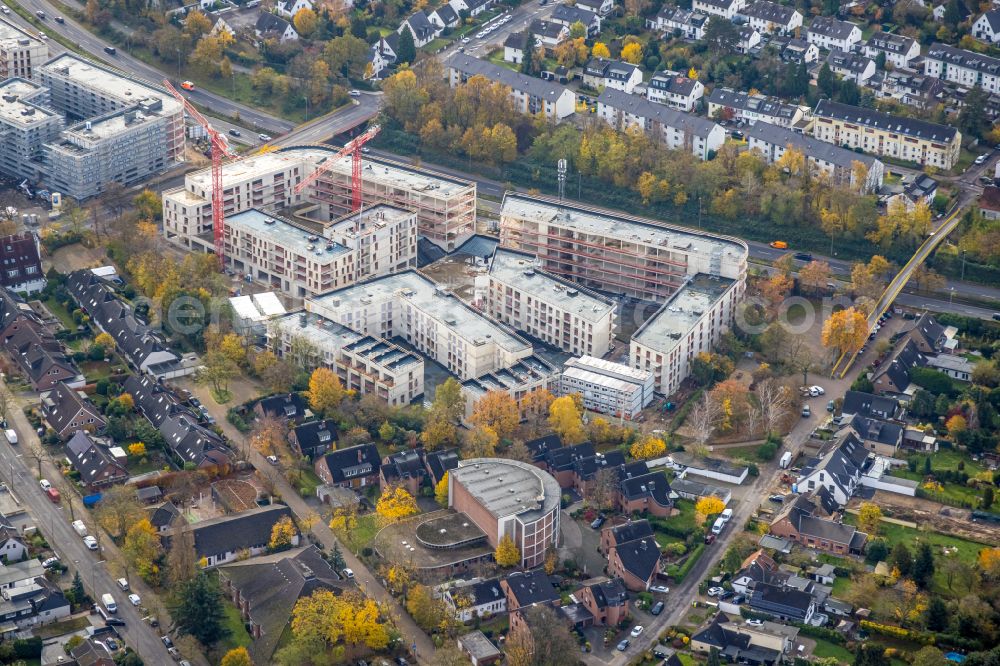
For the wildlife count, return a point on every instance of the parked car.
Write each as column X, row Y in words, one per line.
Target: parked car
column 803, row 256
column 597, row 522
column 662, row 589
column 110, row 50
column 755, row 623
column 112, row 644
column 637, row 631
column 235, row 132
column 50, row 562
column 355, row 93
column 816, row 390
column 806, row 412
column 90, row 542
column 727, row 595
column 134, row 599
column 715, row 591
column 777, row 498
column 273, row 460
column 348, row 573
column 979, row 160
column 174, row 652
column 831, row 406
column 657, row 608
column 623, row 645
column 166, row 641
column 44, row 483
column 114, row 622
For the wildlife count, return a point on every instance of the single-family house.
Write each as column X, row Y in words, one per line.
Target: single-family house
column 483, row 599
column 165, row 517
column 272, row 27
column 881, row 437
column 226, row 538
column 548, row 33
column 96, row 465
column 955, row 366
column 770, row 17
column 445, row 17
column 405, row 468
column 21, row 263
column 989, row 203
column 830, row 33
column 287, row 9
column 12, row 544
column 782, row 602
column 472, row 7
column 872, row 406
column 599, row 73
column 420, row 27
column 931, row 337
column 676, row 90
column 67, row 410
column 314, row 438
column 353, row 467
column 636, row 562
column 851, row 66
column 607, row 601
column 747, row 39
column 687, row 23
column 382, row 55
column 839, row 469
column 987, row 27
column 758, row 567
column 893, row 376
column 439, row 462
column 646, row 493
column 514, row 46
column 795, row 50
column 727, row 9
column 799, row 522
column 599, row 7
column 284, row 406
column 524, row 589
column 899, row 50
column 567, row 16
column 738, row 643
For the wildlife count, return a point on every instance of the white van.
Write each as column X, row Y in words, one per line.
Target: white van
column 79, row 528
column 719, row 524
column 726, row 515
column 122, row 583
column 109, row 603
column 10, row 435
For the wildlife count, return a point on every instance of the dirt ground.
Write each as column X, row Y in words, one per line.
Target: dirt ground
column 74, row 257
column 458, row 273
column 944, row 519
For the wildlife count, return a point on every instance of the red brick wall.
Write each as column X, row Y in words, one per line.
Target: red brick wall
column 463, row 501
column 645, row 506
column 615, row 568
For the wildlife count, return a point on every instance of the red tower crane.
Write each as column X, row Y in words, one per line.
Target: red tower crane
column 352, row 148
column 220, row 149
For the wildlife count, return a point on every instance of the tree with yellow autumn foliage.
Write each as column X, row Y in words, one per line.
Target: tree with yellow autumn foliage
column 497, row 411
column 649, row 447
column 105, row 340
column 600, row 50
column 349, row 617
column 566, row 421
column 142, row 548
column 238, row 656
column 507, row 553
column 395, row 504
column 282, row 534
column 325, row 391
column 441, row 490
column 137, row 449
column 632, row 53
column 708, row 506
column 845, row 331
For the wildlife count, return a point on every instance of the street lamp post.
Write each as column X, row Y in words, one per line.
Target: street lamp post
column 963, row 265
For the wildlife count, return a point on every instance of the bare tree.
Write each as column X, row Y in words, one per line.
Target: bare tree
column 600, row 491
column 754, row 417
column 773, row 402
column 181, row 558
column 704, row 419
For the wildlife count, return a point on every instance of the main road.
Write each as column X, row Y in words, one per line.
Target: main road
column 54, row 522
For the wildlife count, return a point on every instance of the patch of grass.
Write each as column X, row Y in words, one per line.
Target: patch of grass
column 60, row 313
column 95, row 370
column 238, row 636
column 687, row 659
column 64, row 627
column 362, row 535
column 307, row 482
column 436, row 45
column 686, row 518
column 826, row 649
column 497, row 59
column 841, row 586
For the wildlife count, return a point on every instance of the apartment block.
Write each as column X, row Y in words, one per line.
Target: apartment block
column 607, row 387
column 919, row 141
column 737, row 105
column 294, row 258
column 613, row 252
column 445, row 206
column 965, row 68
column 548, row 307
column 531, row 95
column 408, row 305
column 521, row 378
column 669, row 127
column 27, row 124
column 899, row 50
column 128, row 130
column 829, row 33
column 676, row 90
column 839, row 164
column 691, row 321
column 21, row 53
column 364, row 363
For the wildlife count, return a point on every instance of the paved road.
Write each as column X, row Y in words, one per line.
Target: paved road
column 366, row 581
column 94, row 45
column 54, row 522
column 319, row 130
column 522, row 16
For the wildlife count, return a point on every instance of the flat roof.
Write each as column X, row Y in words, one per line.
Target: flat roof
column 601, row 223
column 329, row 335
column 369, row 219
column 518, row 270
column 450, row 529
column 665, row 329
column 268, row 303
column 244, row 308
column 111, row 83
column 425, row 295
column 111, row 124
column 377, row 169
column 601, row 380
column 10, row 33
column 15, row 105
column 291, row 237
column 604, row 366
column 522, row 373
column 508, row 487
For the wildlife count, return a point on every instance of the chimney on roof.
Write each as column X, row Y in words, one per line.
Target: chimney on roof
column 360, row 457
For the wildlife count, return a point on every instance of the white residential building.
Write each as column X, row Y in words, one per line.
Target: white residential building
column 987, row 27
column 671, row 128
column 599, row 7
column 445, row 205
column 21, row 52
column 770, row 17
column 375, row 241
column 727, row 9
column 548, row 307
column 690, row 24
column 852, row 66
column 531, row 95
column 367, row 364
column 606, row 387
column 599, row 73
column 965, row 68
column 691, row 322
column 466, row 342
column 289, row 8
column 898, row 49
column 28, row 124
column 829, row 33
column 738, row 105
column 675, row 90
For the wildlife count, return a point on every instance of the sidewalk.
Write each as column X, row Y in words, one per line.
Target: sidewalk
column 417, row 641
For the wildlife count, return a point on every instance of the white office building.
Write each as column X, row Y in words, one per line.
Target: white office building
column 607, row 387
column 21, row 52
column 27, row 124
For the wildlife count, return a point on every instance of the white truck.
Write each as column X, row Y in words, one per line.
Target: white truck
column 786, row 460
column 79, row 528
column 10, row 435
column 109, row 603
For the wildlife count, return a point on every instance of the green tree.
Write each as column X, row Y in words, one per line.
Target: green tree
column 877, row 551
column 198, row 610
column 972, row 118
column 938, row 616
column 923, row 566
column 713, row 658
column 902, row 559
column 929, row 656
column 407, row 52
column 79, row 594
column 826, row 81
column 871, row 654
column 952, row 13
column 987, row 501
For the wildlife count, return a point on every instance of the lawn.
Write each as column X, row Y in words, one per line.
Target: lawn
column 687, row 659
column 307, row 483
column 60, row 313
column 841, row 586
column 64, row 627
column 435, row 45
column 947, row 459
column 362, row 535
column 497, row 59
column 686, row 517
column 238, row 636
column 827, row 649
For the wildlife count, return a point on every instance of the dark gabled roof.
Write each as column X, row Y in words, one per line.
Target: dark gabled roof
column 420, row 25
column 682, row 16
column 758, row 104
column 782, row 596
column 610, row 593
column 18, row 255
column 830, row 27
column 843, row 463
column 660, row 113
column 470, row 66
column 549, row 29
column 759, row 567
column 407, row 464
column 929, row 329
column 532, row 587
column 826, row 530
column 630, row 531
column 867, row 404
column 164, row 515
column 640, row 557
column 91, row 652
column 270, row 23
column 673, row 82
column 38, row 360
column 540, row 447
column 890, row 42
column 905, row 359
column 718, row 636
column 565, row 459
column 63, row 403
column 877, row 430
column 570, row 15
column 148, row 493
column 770, row 11
column 441, row 461
column 154, row 400
column 516, row 40
column 236, row 532
column 826, row 501
column 990, row 198
column 91, row 460
column 13, row 309
column 968, row 59
column 921, row 186
column 193, row 443
column 354, row 461
column 653, row 485
column 284, row 405
column 447, row 14
column 484, row 592
column 851, row 62
column 586, row 468
column 993, row 18
column 271, row 585
column 721, row 4
column 811, row 147
column 316, row 434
